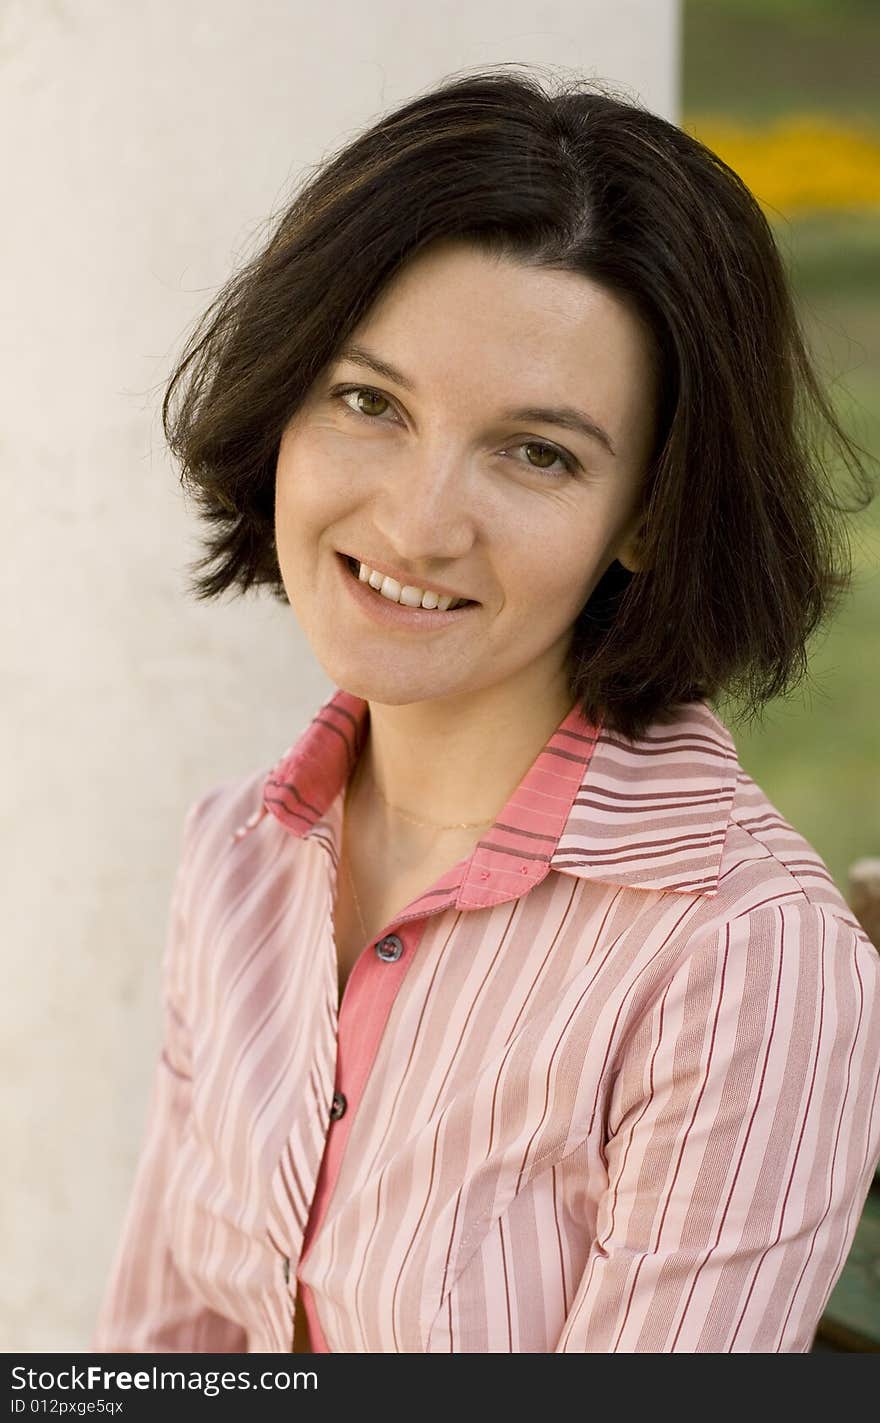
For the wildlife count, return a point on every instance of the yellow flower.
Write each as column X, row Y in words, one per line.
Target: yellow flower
column 802, row 163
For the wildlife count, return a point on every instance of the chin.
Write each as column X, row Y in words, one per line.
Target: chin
column 392, row 687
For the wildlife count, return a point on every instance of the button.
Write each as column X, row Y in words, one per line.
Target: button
column 389, row 949
column 338, row 1108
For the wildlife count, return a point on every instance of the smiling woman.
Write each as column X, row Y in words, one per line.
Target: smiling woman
column 503, row 1012
column 434, row 483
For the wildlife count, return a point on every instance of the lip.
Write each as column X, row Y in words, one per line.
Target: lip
column 406, row 579
column 394, row 615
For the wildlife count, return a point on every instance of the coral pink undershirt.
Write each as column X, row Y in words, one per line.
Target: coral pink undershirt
column 366, row 1003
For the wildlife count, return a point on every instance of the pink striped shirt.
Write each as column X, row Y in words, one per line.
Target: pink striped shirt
column 610, row 1084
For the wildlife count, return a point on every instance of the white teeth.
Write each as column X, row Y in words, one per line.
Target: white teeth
column 408, row 595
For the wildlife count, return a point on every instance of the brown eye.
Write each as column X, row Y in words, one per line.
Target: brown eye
column 365, row 399
column 555, row 462
column 550, row 455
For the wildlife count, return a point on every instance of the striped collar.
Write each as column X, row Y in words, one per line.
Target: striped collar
column 650, row 814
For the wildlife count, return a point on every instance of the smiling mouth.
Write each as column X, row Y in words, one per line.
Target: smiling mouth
column 393, row 592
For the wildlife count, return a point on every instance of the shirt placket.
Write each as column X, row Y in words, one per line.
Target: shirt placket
column 369, row 996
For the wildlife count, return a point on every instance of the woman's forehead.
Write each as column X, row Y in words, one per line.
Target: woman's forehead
column 507, row 335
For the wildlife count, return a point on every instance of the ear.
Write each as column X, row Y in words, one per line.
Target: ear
column 630, row 550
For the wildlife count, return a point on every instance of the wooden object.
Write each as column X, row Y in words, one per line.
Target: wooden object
column 864, row 897
column 851, row 1321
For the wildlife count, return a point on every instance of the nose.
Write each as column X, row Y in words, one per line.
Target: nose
column 423, row 510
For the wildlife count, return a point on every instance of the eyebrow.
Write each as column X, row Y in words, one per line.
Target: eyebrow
column 565, row 416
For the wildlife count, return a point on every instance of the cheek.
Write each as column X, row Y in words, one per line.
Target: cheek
column 306, row 491
column 323, row 455
column 557, row 575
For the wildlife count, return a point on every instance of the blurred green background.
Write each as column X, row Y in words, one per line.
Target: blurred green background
column 786, row 92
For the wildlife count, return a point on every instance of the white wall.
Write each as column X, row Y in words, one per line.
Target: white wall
column 145, row 142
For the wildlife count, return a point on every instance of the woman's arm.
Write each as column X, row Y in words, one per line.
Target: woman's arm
column 745, row 1130
column 148, row 1307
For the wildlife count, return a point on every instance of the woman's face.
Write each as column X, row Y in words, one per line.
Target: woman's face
column 452, row 473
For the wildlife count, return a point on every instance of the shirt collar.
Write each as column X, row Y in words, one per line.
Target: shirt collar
column 650, row 814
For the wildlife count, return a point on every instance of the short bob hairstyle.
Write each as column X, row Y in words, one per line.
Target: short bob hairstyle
column 744, row 552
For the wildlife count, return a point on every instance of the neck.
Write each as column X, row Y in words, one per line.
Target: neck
column 451, row 760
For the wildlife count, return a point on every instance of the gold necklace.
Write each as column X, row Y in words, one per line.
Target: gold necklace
column 356, row 901
column 432, row 824
column 424, row 824
column 344, row 858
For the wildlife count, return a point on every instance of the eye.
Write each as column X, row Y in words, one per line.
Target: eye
column 564, row 462
column 361, row 390
column 568, row 462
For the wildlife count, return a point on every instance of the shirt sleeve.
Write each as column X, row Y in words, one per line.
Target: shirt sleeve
column 742, row 1136
column 148, row 1307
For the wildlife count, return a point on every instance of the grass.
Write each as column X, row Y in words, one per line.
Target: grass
column 816, row 753
column 757, row 59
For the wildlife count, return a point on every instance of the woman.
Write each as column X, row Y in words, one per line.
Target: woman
column 504, row 1013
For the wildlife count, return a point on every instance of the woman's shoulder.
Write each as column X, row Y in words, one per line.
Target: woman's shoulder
column 764, row 852
column 224, row 813
column 297, row 794
column 677, row 811
column 255, row 807
column 765, row 923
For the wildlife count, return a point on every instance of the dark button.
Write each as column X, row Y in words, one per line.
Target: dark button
column 389, row 949
column 338, row 1108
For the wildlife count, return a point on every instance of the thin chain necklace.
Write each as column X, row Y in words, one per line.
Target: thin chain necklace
column 432, row 824
column 424, row 824
column 356, row 902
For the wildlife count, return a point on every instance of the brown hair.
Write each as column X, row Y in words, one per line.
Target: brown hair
column 745, row 555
